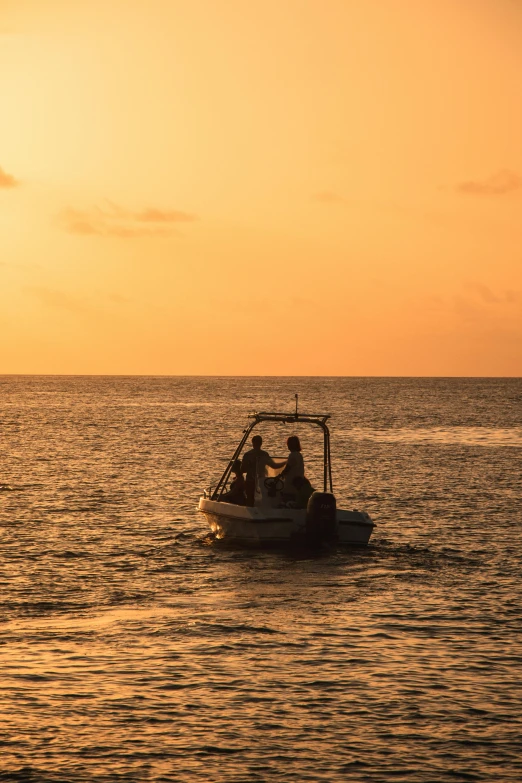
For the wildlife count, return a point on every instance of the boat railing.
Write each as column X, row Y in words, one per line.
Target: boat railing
column 285, row 418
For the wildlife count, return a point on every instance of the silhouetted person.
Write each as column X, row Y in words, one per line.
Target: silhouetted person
column 294, row 467
column 236, row 493
column 254, row 464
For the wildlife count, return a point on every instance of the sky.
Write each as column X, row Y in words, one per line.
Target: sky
column 261, row 187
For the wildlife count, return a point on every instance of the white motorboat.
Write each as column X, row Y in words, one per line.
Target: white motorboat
column 271, row 520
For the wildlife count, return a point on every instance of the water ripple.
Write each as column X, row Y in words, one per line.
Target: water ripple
column 134, row 648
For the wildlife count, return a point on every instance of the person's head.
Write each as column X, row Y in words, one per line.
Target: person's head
column 293, row 443
column 257, row 441
column 236, row 467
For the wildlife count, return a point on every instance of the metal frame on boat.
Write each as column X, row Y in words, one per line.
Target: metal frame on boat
column 270, row 521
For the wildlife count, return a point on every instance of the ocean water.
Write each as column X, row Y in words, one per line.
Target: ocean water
column 135, row 648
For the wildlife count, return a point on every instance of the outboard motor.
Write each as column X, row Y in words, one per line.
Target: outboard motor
column 321, row 524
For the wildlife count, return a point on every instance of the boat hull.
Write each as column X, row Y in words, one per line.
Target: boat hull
column 259, row 526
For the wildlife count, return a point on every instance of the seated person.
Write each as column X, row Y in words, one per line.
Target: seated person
column 303, row 491
column 236, row 493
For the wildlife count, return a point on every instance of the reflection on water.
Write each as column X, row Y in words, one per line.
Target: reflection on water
column 464, row 436
column 133, row 648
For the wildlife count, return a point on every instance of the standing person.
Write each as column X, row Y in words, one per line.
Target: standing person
column 294, row 467
column 254, row 464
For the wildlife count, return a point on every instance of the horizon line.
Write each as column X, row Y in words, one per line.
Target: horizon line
column 225, row 375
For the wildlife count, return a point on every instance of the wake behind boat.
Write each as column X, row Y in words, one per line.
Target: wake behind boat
column 272, row 519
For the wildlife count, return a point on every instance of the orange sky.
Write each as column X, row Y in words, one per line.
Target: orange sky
column 280, row 187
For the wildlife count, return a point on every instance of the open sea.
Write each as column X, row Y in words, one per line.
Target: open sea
column 133, row 647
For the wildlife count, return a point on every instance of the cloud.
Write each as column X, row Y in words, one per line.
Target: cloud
column 163, row 216
column 7, row 180
column 489, row 297
column 10, row 265
column 115, row 221
column 118, row 298
column 328, row 197
column 299, row 301
column 57, row 299
column 497, row 185
column 476, row 296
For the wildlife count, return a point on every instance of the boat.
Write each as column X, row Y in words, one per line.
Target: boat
column 271, row 520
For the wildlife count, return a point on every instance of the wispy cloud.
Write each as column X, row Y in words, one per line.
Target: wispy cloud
column 300, row 301
column 7, row 180
column 328, row 197
column 118, row 298
column 57, row 299
column 11, row 265
column 489, row 297
column 474, row 303
column 116, row 221
column 94, row 304
column 497, row 185
column 163, row 216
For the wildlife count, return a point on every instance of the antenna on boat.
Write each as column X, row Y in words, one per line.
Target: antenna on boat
column 296, row 401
